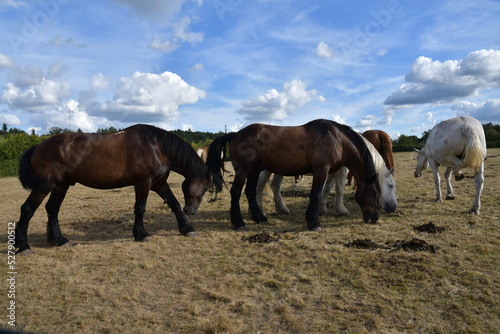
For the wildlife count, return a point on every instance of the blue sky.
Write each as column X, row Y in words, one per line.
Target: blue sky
column 396, row 65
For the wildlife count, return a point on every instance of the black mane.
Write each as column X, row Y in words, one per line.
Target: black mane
column 177, row 149
column 322, row 128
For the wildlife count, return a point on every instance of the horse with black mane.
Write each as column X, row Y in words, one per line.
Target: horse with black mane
column 141, row 156
column 320, row 147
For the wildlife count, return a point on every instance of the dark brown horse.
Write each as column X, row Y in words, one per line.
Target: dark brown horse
column 319, row 147
column 383, row 144
column 141, row 156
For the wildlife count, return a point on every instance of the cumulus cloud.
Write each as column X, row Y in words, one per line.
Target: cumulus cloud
column 6, row 62
column 277, row 106
column 487, row 111
column 180, row 33
column 9, row 119
column 98, row 82
column 387, row 116
column 365, row 123
column 37, row 97
column 147, row 97
column 324, row 51
column 433, row 81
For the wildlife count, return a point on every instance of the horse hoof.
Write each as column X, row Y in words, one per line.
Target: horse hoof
column 191, row 234
column 67, row 244
column 450, row 197
column 316, row 229
column 25, row 252
column 241, row 229
column 473, row 211
column 459, row 177
column 146, row 239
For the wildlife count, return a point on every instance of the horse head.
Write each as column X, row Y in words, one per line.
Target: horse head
column 388, row 200
column 368, row 197
column 194, row 189
column 422, row 162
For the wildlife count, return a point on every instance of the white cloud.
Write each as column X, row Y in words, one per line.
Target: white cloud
column 147, row 97
column 276, row 106
column 381, row 52
column 487, row 111
column 386, row 120
column 434, row 81
column 187, row 127
column 428, row 116
column 324, row 51
column 35, row 98
column 98, row 82
column 197, row 67
column 9, row 119
column 6, row 62
column 169, row 42
column 365, row 123
column 339, row 119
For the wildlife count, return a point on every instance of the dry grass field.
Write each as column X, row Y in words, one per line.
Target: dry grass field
column 299, row 282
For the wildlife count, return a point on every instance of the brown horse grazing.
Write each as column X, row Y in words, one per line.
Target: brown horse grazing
column 383, row 144
column 141, row 156
column 319, row 147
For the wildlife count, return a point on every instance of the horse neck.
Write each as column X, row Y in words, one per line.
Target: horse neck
column 356, row 162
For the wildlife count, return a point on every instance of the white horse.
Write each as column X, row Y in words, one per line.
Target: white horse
column 386, row 179
column 456, row 143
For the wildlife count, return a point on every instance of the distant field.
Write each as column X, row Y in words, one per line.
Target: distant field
column 298, row 282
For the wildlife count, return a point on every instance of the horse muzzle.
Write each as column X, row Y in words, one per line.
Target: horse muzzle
column 417, row 174
column 189, row 210
column 390, row 208
column 371, row 217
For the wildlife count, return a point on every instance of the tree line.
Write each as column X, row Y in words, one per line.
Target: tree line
column 13, row 142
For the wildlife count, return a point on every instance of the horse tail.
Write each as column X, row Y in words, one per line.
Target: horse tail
column 29, row 180
column 215, row 159
column 473, row 155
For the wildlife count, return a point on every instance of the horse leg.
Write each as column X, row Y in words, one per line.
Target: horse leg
column 164, row 191
column 340, row 209
column 330, row 181
column 250, row 192
column 437, row 180
column 478, row 183
column 54, row 235
column 261, row 185
column 279, row 205
column 27, row 211
column 457, row 168
column 141, row 196
column 312, row 213
column 449, row 188
column 235, row 211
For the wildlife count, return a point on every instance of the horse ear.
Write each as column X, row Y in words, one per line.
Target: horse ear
column 391, row 172
column 416, row 149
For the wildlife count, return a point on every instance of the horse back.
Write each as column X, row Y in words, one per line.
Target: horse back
column 285, row 150
column 95, row 160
